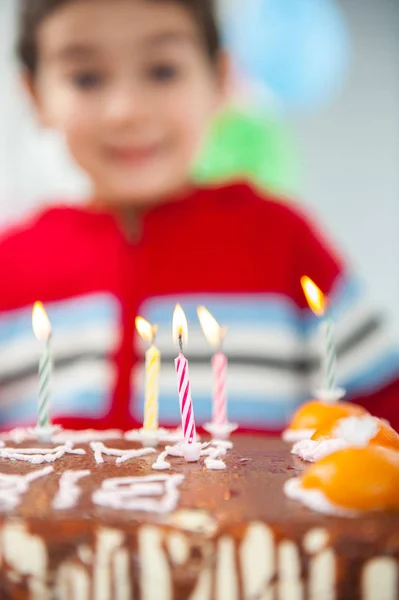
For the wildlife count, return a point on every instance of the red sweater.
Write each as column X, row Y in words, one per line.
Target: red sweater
column 239, row 253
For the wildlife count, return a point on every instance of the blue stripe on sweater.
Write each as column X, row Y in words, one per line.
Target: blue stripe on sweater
column 67, row 315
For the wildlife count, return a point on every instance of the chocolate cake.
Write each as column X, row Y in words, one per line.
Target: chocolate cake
column 213, row 535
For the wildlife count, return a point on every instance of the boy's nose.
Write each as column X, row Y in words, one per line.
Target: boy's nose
column 125, row 105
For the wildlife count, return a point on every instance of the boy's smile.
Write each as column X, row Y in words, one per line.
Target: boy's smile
column 131, row 88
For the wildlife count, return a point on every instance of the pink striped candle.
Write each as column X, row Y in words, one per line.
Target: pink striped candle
column 214, row 334
column 219, row 364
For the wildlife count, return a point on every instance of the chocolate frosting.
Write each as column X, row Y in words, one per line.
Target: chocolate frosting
column 250, row 489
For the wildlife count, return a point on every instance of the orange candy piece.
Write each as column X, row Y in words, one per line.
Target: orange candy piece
column 315, row 414
column 386, row 437
column 357, row 478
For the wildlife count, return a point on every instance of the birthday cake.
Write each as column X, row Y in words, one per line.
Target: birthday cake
column 95, row 516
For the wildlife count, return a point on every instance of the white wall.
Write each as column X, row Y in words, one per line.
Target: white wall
column 350, row 149
column 351, row 152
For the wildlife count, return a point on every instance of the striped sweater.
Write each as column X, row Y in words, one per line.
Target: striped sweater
column 240, row 255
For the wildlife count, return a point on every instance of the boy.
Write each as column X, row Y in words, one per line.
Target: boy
column 132, row 86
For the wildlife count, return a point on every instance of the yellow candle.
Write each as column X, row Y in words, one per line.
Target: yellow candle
column 152, row 368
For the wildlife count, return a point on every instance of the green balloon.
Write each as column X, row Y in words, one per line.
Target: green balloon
column 243, row 145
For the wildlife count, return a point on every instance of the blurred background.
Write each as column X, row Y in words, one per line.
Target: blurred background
column 314, row 115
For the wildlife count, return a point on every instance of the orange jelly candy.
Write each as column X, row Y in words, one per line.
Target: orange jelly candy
column 386, row 435
column 316, row 414
column 357, row 478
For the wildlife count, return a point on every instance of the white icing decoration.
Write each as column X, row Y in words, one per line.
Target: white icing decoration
column 87, row 435
column 212, row 451
column 21, row 434
column 68, row 493
column 313, row 450
column 350, row 431
column 122, row 455
column 140, row 493
column 13, row 486
column 37, row 456
column 357, row 430
column 213, row 461
column 295, row 435
column 128, row 454
column 176, row 450
column 161, row 464
column 17, row 435
column 314, row 499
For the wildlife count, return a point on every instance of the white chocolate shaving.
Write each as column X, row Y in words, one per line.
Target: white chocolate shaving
column 154, row 493
column 68, row 493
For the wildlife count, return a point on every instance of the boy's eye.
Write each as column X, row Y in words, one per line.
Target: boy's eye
column 87, row 80
column 164, row 72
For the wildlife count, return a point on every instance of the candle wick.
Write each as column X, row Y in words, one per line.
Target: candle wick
column 181, row 342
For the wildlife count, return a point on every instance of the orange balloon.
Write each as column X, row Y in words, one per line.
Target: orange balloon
column 315, row 414
column 357, row 478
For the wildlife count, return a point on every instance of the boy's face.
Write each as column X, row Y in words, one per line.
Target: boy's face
column 129, row 85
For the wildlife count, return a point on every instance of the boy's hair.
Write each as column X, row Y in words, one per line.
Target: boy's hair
column 32, row 13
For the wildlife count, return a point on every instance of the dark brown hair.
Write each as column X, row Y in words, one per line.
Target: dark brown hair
column 33, row 12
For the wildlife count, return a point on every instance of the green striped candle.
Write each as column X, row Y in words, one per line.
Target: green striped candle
column 42, row 330
column 318, row 303
column 330, row 357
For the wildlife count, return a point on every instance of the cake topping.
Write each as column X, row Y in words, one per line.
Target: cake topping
column 352, row 431
column 349, row 481
column 37, row 456
column 154, row 493
column 213, row 461
column 122, row 455
column 69, row 492
column 213, row 451
column 12, row 487
column 161, row 464
column 316, row 414
column 356, row 430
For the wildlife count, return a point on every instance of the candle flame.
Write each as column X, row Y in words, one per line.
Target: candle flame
column 314, row 296
column 213, row 332
column 40, row 322
column 146, row 330
column 180, row 327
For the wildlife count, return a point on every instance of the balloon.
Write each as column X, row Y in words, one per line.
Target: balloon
column 242, row 145
column 299, row 48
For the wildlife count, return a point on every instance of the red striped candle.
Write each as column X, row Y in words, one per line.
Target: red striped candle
column 186, row 403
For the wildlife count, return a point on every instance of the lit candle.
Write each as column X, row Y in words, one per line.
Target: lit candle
column 214, row 335
column 152, row 368
column 180, row 334
column 42, row 330
column 318, row 303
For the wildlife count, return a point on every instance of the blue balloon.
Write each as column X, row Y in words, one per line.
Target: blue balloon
column 299, row 48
